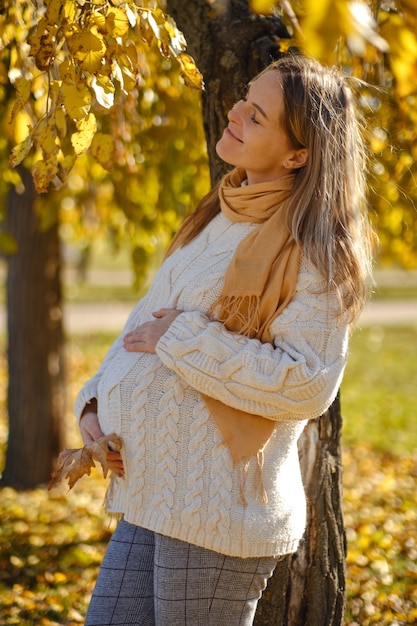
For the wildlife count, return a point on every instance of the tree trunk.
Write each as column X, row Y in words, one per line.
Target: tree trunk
column 308, row 588
column 35, row 345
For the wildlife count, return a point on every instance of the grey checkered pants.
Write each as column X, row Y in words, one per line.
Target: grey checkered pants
column 147, row 579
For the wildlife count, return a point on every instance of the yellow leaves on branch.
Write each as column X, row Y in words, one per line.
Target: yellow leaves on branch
column 403, row 54
column 72, row 464
column 23, row 90
column 83, row 57
column 104, row 91
column 87, row 48
column 43, row 43
column 189, row 72
column 323, row 28
column 117, row 22
column 86, row 129
column 20, row 151
column 102, row 149
column 76, row 99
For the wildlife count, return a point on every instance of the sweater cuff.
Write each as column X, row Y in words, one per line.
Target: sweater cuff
column 86, row 394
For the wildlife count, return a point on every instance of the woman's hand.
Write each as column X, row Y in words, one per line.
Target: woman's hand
column 90, row 427
column 146, row 336
column 90, row 431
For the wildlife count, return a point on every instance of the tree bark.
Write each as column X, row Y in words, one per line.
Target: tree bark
column 35, row 345
column 308, row 588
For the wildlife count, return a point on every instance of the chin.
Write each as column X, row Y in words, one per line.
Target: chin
column 221, row 152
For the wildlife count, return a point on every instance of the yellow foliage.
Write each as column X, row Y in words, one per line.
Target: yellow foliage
column 326, row 24
column 20, row 151
column 44, row 172
column 102, row 149
column 64, row 168
column 261, row 6
column 20, row 128
column 76, row 99
column 403, row 54
column 43, row 44
column 69, row 11
column 104, row 91
column 23, row 90
column 61, row 122
column 189, row 72
column 45, row 134
column 67, row 72
column 93, row 58
column 77, row 52
column 117, row 23
column 86, row 128
column 320, row 26
column 126, row 67
column 88, row 48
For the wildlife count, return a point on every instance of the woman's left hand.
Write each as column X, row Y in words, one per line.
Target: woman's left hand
column 145, row 337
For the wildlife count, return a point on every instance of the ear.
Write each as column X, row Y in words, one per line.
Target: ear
column 297, row 159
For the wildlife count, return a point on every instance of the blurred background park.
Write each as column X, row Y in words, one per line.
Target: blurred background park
column 89, row 207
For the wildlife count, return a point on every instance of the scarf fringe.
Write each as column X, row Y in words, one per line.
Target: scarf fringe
column 260, row 493
column 239, row 313
column 109, row 492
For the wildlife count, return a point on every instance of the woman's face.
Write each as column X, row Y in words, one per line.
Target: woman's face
column 255, row 138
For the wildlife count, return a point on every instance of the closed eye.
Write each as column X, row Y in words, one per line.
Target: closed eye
column 244, row 97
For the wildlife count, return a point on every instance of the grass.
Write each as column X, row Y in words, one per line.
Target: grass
column 86, row 292
column 395, row 292
column 379, row 391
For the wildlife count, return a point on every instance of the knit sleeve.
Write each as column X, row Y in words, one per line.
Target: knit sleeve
column 295, row 378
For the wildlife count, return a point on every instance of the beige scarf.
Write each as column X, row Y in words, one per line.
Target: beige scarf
column 259, row 283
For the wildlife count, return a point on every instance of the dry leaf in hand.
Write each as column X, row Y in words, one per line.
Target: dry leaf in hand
column 73, row 464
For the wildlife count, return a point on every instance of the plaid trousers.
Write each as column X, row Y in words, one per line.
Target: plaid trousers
column 147, row 579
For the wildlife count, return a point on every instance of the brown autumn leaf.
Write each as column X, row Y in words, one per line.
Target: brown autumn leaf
column 74, row 463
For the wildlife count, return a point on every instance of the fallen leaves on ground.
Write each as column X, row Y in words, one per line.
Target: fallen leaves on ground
column 52, row 544
column 380, row 504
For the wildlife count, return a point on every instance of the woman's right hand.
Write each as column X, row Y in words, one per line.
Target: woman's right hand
column 90, row 431
column 90, row 428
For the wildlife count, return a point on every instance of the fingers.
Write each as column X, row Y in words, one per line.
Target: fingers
column 140, row 340
column 115, row 463
column 145, row 337
column 162, row 313
column 90, row 432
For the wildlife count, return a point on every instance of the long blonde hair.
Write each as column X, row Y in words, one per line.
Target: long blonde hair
column 328, row 201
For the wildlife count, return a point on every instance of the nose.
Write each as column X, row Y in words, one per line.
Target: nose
column 233, row 115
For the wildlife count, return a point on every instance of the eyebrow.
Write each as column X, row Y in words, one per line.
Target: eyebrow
column 254, row 104
column 260, row 109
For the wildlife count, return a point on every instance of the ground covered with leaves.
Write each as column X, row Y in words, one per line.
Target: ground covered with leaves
column 51, row 543
column 380, row 503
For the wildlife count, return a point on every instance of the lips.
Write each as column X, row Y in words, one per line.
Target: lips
column 230, row 133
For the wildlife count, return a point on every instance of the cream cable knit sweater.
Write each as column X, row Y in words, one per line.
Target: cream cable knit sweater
column 179, row 477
